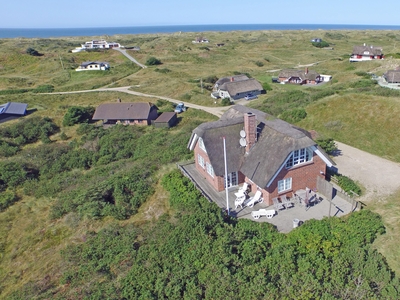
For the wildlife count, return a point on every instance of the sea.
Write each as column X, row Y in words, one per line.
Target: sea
column 109, row 31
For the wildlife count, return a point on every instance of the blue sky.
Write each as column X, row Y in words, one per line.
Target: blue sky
column 120, row 13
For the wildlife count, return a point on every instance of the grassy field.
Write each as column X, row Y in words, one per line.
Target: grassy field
column 359, row 116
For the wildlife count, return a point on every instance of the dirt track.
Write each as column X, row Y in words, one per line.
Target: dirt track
column 379, row 176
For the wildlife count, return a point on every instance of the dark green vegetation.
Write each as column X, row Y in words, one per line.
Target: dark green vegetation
column 201, row 253
column 321, row 44
column 76, row 115
column 152, row 61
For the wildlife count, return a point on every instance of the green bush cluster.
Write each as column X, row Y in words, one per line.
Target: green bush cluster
column 78, row 114
column 201, row 253
column 328, row 145
column 152, row 61
column 7, row 198
column 29, row 130
column 321, row 44
column 347, row 184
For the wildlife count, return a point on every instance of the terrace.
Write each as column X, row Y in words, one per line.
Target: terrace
column 283, row 219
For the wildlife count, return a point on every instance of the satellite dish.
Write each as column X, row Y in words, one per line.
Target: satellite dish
column 243, row 142
column 242, row 133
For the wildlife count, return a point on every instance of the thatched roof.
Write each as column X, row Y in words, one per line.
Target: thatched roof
column 243, row 86
column 367, row 50
column 392, row 76
column 302, row 74
column 223, row 80
column 123, row 111
column 276, row 140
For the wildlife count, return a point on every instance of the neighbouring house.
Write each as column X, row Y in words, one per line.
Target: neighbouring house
column 126, row 113
column 96, row 44
column 316, row 40
column 236, row 87
column 364, row 52
column 12, row 110
column 93, row 65
column 392, row 76
column 200, row 40
column 271, row 155
column 295, row 76
column 220, row 44
column 166, row 119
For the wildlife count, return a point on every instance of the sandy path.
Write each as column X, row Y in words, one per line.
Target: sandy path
column 380, row 177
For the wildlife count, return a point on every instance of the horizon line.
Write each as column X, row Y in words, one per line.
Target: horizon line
column 217, row 24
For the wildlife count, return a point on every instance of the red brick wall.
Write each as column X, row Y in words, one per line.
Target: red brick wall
column 216, row 181
column 302, row 176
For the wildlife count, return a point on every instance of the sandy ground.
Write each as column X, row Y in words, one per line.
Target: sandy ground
column 379, row 176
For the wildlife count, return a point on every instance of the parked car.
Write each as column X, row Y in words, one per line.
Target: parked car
column 180, row 107
column 250, row 97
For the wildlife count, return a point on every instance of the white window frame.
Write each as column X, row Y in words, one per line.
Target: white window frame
column 201, row 145
column 200, row 160
column 285, row 185
column 298, row 157
column 210, row 169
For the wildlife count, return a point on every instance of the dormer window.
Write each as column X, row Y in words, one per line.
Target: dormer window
column 201, row 145
column 298, row 157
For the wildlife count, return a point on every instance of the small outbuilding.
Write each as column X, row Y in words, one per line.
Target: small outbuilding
column 12, row 110
column 166, row 119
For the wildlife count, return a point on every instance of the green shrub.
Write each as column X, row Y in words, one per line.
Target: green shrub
column 328, row 145
column 347, row 184
column 77, row 114
column 152, row 61
column 163, row 71
column 266, row 86
column 321, row 44
column 7, row 198
column 259, row 63
column 226, row 102
column 8, row 149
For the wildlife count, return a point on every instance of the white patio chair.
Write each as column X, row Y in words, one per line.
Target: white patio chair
column 278, row 205
column 253, row 200
column 243, row 188
column 239, row 202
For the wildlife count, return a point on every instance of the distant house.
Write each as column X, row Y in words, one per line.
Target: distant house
column 295, row 76
column 129, row 113
column 271, row 155
column 93, row 65
column 220, row 44
column 200, row 40
column 363, row 53
column 12, row 110
column 392, row 76
column 316, row 40
column 236, row 87
column 166, row 119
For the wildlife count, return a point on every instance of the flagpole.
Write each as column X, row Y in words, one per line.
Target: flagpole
column 226, row 178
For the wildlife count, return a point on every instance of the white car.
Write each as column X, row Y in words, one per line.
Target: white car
column 250, row 97
column 180, row 108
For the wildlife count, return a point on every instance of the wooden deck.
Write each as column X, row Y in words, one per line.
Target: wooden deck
column 284, row 219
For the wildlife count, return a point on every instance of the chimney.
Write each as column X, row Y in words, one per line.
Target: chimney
column 232, row 79
column 119, row 100
column 250, row 127
column 306, row 70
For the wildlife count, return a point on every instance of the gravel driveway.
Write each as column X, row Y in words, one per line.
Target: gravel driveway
column 379, row 176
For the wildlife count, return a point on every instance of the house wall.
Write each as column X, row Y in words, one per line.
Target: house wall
column 303, row 176
column 215, row 181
